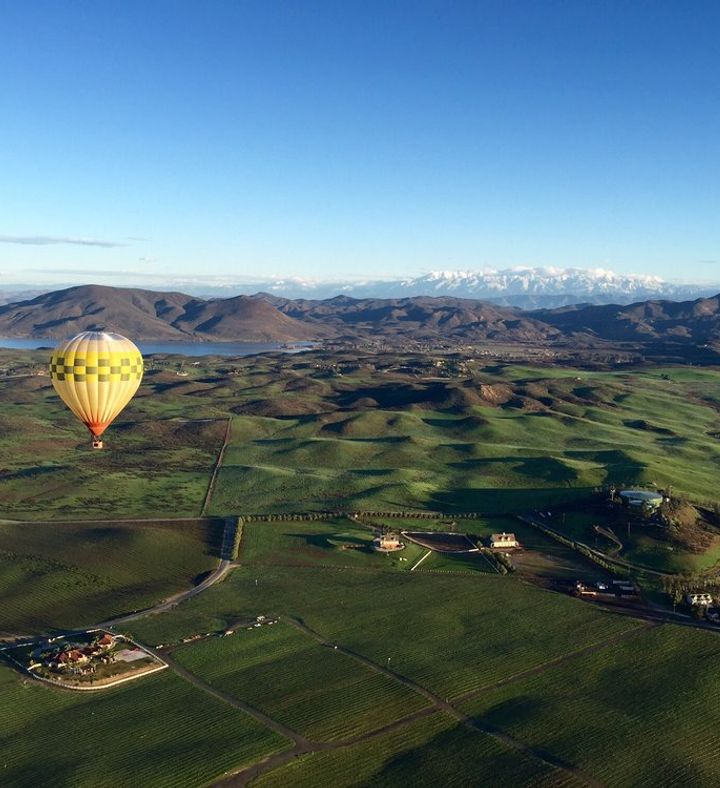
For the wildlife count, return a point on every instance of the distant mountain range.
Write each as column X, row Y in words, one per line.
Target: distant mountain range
column 528, row 288
column 147, row 314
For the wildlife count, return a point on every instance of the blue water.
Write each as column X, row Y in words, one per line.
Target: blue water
column 183, row 348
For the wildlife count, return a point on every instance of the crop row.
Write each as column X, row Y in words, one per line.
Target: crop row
column 312, row 688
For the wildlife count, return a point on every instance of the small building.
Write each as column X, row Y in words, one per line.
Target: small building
column 503, row 541
column 388, row 543
column 641, row 499
column 699, row 599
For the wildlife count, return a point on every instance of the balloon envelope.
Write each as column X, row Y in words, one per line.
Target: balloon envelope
column 96, row 374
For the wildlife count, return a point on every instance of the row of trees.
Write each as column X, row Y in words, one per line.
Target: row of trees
column 413, row 514
column 237, row 538
column 579, row 547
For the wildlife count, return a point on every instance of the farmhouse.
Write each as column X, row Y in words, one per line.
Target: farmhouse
column 388, row 542
column 699, row 599
column 503, row 541
column 106, row 641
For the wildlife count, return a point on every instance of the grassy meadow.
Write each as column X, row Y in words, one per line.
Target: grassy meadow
column 619, row 700
column 58, row 575
column 323, row 431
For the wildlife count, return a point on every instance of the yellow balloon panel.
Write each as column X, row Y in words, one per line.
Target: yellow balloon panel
column 96, row 374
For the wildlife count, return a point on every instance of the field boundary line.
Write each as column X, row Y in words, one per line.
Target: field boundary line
column 419, row 561
column 288, row 733
column 444, row 705
column 643, row 627
column 218, row 463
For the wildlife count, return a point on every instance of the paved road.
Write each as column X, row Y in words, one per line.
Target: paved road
column 223, row 567
column 218, row 463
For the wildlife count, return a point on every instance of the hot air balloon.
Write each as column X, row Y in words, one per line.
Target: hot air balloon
column 96, row 374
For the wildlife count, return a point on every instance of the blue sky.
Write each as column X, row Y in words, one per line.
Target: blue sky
column 161, row 140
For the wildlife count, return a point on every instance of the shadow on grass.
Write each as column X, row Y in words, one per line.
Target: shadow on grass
column 505, row 501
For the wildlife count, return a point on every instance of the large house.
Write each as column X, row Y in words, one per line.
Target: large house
column 503, row 541
column 388, row 542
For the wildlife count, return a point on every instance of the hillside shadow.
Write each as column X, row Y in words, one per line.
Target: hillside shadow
column 504, row 501
column 443, row 759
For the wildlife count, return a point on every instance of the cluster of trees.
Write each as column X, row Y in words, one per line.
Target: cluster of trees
column 502, row 564
column 677, row 586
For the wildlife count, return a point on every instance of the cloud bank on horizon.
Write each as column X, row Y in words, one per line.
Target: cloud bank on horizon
column 51, row 240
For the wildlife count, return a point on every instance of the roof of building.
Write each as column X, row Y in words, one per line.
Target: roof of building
column 641, row 495
column 503, row 537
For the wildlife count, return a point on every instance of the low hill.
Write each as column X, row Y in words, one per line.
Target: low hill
column 695, row 321
column 419, row 318
column 146, row 314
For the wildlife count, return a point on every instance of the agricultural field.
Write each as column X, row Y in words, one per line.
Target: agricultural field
column 314, row 690
column 57, row 575
column 356, row 432
column 653, row 702
column 159, row 731
column 429, row 752
column 157, row 461
column 444, row 631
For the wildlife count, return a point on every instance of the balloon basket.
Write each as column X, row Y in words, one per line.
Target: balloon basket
column 97, row 443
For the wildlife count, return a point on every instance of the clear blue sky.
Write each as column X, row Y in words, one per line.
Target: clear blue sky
column 348, row 139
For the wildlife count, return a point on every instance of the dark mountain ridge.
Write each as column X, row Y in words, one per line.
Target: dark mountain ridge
column 147, row 314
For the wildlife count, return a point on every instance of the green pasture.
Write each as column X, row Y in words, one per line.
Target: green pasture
column 621, row 429
column 304, row 440
column 338, row 542
column 57, row 575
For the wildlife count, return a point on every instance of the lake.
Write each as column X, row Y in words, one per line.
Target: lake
column 183, row 348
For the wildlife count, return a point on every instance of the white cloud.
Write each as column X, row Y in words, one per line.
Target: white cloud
column 50, row 240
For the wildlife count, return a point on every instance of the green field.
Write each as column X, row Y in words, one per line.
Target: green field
column 159, row 731
column 336, row 542
column 313, row 689
column 59, row 575
column 428, row 752
column 602, row 693
column 564, row 436
column 156, row 463
column 652, row 701
column 450, row 633
column 502, row 439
